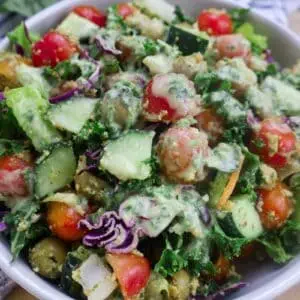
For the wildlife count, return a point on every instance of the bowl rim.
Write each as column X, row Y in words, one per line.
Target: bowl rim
column 41, row 289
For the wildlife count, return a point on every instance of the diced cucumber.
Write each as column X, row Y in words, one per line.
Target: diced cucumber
column 128, row 156
column 28, row 75
column 243, row 219
column 217, row 188
column 73, row 114
column 188, row 41
column 75, row 26
column 157, row 8
column 29, row 107
column 55, row 171
column 285, row 97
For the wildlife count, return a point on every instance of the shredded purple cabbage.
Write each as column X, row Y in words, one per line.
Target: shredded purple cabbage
column 224, row 292
column 110, row 232
column 252, row 120
column 2, row 97
column 65, row 96
column 3, row 225
column 19, row 50
column 92, row 80
column 104, row 45
column 269, row 57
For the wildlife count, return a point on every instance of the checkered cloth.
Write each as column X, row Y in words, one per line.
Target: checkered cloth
column 274, row 9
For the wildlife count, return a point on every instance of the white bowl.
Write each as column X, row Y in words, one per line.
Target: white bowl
column 266, row 279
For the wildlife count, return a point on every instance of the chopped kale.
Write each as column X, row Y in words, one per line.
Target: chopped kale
column 238, row 16
column 181, row 17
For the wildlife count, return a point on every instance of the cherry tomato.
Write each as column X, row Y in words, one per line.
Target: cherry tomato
column 212, row 124
column 170, row 97
column 215, row 22
column 91, row 13
column 157, row 105
column 277, row 142
column 274, row 206
column 223, row 266
column 178, row 149
column 63, row 221
column 125, row 10
column 52, row 49
column 233, row 45
column 132, row 271
column 12, row 181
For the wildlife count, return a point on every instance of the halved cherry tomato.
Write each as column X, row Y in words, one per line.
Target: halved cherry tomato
column 248, row 250
column 274, row 206
column 223, row 266
column 12, row 181
column 212, row 124
column 125, row 10
column 233, row 45
column 132, row 271
column 215, row 22
column 157, row 105
column 278, row 141
column 52, row 49
column 91, row 13
column 63, row 221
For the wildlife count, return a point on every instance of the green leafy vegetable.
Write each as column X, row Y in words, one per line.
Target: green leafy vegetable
column 238, row 16
column 259, row 42
column 170, row 261
column 19, row 37
column 290, row 236
column 8, row 147
column 249, row 177
column 24, row 225
column 181, row 17
column 274, row 247
column 9, row 128
column 25, row 7
column 272, row 70
column 231, row 247
column 184, row 252
column 235, row 133
column 292, row 79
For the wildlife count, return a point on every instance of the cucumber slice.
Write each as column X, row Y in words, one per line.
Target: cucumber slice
column 76, row 26
column 188, row 41
column 157, row 8
column 29, row 107
column 243, row 220
column 55, row 171
column 73, row 114
column 128, row 156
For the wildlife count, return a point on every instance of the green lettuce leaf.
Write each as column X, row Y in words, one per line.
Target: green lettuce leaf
column 259, row 42
column 238, row 16
column 19, row 37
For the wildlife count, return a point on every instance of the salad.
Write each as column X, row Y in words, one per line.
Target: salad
column 148, row 155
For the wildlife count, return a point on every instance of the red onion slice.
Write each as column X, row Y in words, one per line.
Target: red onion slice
column 65, row 96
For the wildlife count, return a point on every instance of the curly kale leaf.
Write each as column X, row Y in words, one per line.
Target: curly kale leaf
column 24, row 226
column 249, row 178
column 231, row 247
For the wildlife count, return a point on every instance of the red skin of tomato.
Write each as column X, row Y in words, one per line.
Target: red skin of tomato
column 63, row 221
column 157, row 105
column 12, row 181
column 132, row 271
column 91, row 13
column 274, row 206
column 286, row 142
column 52, row 49
column 125, row 10
column 215, row 22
